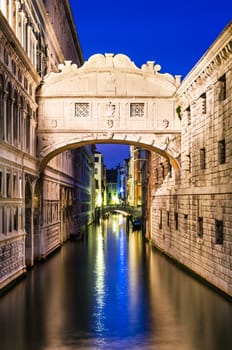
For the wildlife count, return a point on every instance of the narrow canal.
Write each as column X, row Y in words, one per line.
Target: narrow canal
column 112, row 291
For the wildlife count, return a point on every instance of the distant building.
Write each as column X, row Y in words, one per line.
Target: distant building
column 99, row 176
column 137, row 162
column 112, row 186
column 122, row 180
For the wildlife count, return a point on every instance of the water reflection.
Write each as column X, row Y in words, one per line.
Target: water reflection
column 100, row 290
column 112, row 292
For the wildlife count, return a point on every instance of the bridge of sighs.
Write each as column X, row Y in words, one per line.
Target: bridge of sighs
column 108, row 100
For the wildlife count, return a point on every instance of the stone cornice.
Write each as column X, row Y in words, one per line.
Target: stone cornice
column 218, row 54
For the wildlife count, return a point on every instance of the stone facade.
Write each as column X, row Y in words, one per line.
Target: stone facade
column 192, row 209
column 35, row 205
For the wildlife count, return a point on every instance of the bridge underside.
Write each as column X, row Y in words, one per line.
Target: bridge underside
column 167, row 145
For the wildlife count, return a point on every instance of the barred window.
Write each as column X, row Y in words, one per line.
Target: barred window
column 218, row 231
column 176, row 221
column 137, row 109
column 221, row 152
column 202, row 158
column 188, row 115
column 203, row 103
column 200, row 226
column 81, row 110
column 160, row 219
column 222, row 88
column 168, row 219
column 185, row 223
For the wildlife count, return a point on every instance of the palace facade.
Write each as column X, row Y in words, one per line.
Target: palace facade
column 36, row 206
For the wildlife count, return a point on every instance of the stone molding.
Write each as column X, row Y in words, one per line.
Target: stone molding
column 111, row 75
column 207, row 68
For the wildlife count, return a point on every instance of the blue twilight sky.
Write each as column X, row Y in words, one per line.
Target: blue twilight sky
column 173, row 33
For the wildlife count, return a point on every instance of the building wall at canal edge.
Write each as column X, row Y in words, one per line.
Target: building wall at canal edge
column 192, row 211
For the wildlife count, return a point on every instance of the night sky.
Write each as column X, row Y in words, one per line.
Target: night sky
column 174, row 34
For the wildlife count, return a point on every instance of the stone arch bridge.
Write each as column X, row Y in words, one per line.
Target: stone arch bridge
column 121, row 208
column 108, row 100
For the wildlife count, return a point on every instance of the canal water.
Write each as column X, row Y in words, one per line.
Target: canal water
column 112, row 291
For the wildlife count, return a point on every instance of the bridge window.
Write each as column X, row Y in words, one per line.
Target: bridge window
column 218, row 231
column 81, row 110
column 137, row 109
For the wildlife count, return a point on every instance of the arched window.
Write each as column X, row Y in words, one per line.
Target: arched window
column 21, row 123
column 15, row 120
column 28, row 129
column 9, row 114
column 1, row 107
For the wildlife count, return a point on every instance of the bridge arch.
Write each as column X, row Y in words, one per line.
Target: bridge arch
column 121, row 208
column 108, row 100
column 57, row 148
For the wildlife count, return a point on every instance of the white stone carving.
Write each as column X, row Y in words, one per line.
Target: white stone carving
column 110, row 109
column 108, row 99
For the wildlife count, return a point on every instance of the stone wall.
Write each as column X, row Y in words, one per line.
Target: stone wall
column 192, row 211
column 12, row 259
column 26, row 55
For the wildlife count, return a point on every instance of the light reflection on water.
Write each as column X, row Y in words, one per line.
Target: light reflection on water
column 112, row 292
column 99, row 273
